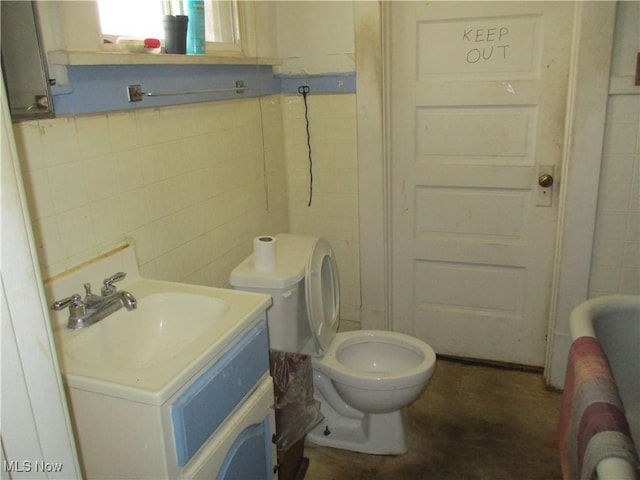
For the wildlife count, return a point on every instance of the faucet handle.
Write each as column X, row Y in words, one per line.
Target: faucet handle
column 77, row 310
column 108, row 288
column 74, row 299
column 75, row 304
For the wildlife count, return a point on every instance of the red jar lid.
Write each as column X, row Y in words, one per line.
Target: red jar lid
column 151, row 43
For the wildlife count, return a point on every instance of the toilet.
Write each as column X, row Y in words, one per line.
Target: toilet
column 365, row 379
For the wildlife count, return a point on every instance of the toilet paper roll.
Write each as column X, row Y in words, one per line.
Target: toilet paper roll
column 264, row 252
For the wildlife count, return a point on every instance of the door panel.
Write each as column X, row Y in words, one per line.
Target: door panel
column 478, row 98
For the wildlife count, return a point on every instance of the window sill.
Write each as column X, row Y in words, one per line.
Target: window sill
column 66, row 57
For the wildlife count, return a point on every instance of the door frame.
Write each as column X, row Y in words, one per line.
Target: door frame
column 39, row 428
column 580, row 172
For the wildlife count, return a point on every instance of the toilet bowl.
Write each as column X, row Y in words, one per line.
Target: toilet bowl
column 377, row 371
column 364, row 380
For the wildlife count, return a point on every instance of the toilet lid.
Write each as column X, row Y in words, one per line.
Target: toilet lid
column 322, row 290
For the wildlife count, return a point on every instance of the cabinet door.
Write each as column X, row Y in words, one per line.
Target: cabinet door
column 250, row 455
column 242, row 448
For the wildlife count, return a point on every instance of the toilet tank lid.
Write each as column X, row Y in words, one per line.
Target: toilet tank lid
column 292, row 255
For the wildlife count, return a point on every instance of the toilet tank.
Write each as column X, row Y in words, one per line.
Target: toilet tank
column 287, row 318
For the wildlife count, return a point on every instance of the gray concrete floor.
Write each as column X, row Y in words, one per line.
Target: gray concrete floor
column 472, row 422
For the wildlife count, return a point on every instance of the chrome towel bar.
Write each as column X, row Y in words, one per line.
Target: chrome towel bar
column 135, row 93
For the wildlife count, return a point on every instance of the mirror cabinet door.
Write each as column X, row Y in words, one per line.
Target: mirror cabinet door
column 24, row 65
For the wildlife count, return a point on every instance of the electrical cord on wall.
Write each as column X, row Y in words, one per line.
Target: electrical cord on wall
column 304, row 90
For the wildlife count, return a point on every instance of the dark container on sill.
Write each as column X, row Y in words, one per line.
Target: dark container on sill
column 175, row 33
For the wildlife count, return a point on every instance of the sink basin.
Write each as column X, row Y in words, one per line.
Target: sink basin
column 161, row 327
column 147, row 354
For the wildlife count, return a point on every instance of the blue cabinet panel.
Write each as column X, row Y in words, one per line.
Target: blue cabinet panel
column 204, row 406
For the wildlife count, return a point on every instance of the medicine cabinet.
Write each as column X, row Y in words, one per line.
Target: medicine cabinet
column 24, row 66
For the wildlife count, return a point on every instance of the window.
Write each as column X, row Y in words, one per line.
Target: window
column 143, row 19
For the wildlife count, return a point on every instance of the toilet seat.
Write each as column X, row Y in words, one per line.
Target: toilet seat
column 322, row 291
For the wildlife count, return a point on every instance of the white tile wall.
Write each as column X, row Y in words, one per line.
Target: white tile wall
column 333, row 213
column 189, row 185
column 615, row 265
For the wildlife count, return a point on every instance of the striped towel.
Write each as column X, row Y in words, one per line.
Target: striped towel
column 592, row 424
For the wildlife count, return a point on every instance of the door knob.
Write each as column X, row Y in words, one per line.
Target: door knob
column 545, row 180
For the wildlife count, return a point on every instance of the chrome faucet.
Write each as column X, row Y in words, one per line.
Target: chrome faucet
column 83, row 313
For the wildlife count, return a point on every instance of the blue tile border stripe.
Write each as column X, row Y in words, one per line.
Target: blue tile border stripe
column 96, row 89
column 102, row 88
column 344, row 82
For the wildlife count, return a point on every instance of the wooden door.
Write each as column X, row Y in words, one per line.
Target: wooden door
column 477, row 103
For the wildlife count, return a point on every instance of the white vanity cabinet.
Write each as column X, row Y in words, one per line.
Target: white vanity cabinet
column 219, row 424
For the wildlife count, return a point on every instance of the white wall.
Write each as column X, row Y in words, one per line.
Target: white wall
column 315, row 37
column 333, row 213
column 592, row 150
column 615, row 266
